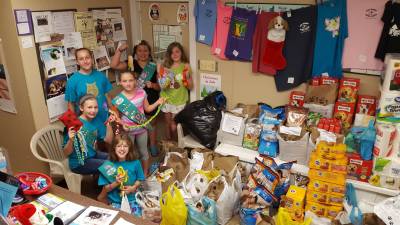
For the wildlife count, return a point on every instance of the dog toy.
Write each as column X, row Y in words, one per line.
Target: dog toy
column 273, row 56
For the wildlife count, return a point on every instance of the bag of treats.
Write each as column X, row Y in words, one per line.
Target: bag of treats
column 252, row 134
column 348, row 90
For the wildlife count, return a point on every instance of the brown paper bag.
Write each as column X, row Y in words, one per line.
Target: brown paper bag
column 322, row 94
column 226, row 163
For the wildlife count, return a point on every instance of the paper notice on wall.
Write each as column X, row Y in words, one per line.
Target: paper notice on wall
column 163, row 35
column 63, row 22
column 42, row 25
column 72, row 41
column 85, row 25
column 55, row 96
column 165, row 40
column 52, row 58
column 119, row 30
column 101, row 58
column 209, row 83
column 113, row 13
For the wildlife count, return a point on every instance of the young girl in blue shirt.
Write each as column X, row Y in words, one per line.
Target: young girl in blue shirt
column 80, row 146
column 124, row 156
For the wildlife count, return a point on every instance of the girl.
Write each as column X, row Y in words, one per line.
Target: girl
column 175, row 81
column 122, row 155
column 81, row 151
column 88, row 81
column 146, row 73
column 132, row 103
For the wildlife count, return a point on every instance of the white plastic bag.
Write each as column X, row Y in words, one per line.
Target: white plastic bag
column 315, row 220
column 125, row 206
column 388, row 210
column 228, row 201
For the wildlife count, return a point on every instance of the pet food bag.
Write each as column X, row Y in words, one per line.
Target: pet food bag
column 202, row 212
column 348, row 90
column 252, row 133
column 173, row 208
column 389, row 106
column 283, row 218
column 294, row 150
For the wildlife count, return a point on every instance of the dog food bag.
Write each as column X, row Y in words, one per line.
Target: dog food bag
column 366, row 104
column 344, row 112
column 324, row 80
column 335, row 178
column 326, row 187
column 252, row 133
column 389, row 105
column 348, row 90
column 295, row 116
column 324, row 198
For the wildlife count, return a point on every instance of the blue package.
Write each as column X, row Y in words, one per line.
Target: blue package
column 248, row 216
column 7, row 193
column 367, row 141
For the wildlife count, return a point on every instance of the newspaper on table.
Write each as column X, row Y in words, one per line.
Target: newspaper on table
column 95, row 216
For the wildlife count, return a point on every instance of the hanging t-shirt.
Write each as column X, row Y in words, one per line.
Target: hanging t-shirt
column 224, row 14
column 364, row 31
column 240, row 36
column 298, row 49
column 260, row 34
column 331, row 33
column 206, row 15
column 390, row 37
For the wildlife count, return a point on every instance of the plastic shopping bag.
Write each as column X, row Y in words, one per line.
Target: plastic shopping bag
column 283, row 218
column 173, row 208
column 202, row 213
column 125, row 206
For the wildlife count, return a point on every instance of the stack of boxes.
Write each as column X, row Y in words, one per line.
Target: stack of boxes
column 326, row 190
column 294, row 202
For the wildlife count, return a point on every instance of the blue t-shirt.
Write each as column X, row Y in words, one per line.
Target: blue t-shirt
column 135, row 172
column 95, row 83
column 90, row 132
column 331, row 33
column 240, row 37
column 205, row 12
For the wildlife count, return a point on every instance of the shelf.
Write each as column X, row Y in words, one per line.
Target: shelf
column 249, row 156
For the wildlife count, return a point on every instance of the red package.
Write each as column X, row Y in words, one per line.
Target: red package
column 69, row 119
column 328, row 80
column 366, row 104
column 348, row 90
column 296, row 98
column 330, row 124
column 345, row 113
column 315, row 82
column 358, row 169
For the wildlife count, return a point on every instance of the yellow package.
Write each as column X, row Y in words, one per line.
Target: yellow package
column 318, row 209
column 284, row 218
column 324, row 198
column 333, row 211
column 320, row 163
column 297, row 215
column 297, row 197
column 326, row 187
column 336, row 178
column 331, row 151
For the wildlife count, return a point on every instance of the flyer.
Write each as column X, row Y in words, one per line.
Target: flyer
column 63, row 22
column 52, row 58
column 72, row 41
column 55, row 96
column 85, row 25
column 42, row 25
column 101, row 58
column 119, row 30
column 209, row 83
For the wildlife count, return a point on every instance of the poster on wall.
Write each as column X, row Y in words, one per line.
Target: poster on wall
column 71, row 42
column 42, row 26
column 52, row 58
column 6, row 96
column 154, row 12
column 119, row 30
column 182, row 14
column 63, row 22
column 101, row 58
column 85, row 25
column 163, row 35
column 55, row 96
column 209, row 83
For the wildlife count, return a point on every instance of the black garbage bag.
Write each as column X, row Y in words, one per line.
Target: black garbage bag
column 203, row 117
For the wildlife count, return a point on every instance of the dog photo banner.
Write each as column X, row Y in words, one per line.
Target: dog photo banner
column 6, row 96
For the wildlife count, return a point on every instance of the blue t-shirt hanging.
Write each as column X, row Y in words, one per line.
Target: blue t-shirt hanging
column 206, row 16
column 331, row 33
column 240, row 36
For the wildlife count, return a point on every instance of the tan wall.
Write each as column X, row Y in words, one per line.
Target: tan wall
column 16, row 130
column 239, row 84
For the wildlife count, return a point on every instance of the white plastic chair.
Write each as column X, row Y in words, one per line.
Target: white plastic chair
column 49, row 140
column 186, row 141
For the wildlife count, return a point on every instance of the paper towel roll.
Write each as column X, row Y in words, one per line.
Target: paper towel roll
column 391, row 79
column 389, row 104
column 385, row 135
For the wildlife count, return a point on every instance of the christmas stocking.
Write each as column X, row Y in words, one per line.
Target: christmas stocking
column 273, row 55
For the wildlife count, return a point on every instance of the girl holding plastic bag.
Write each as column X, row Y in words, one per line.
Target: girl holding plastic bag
column 121, row 175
